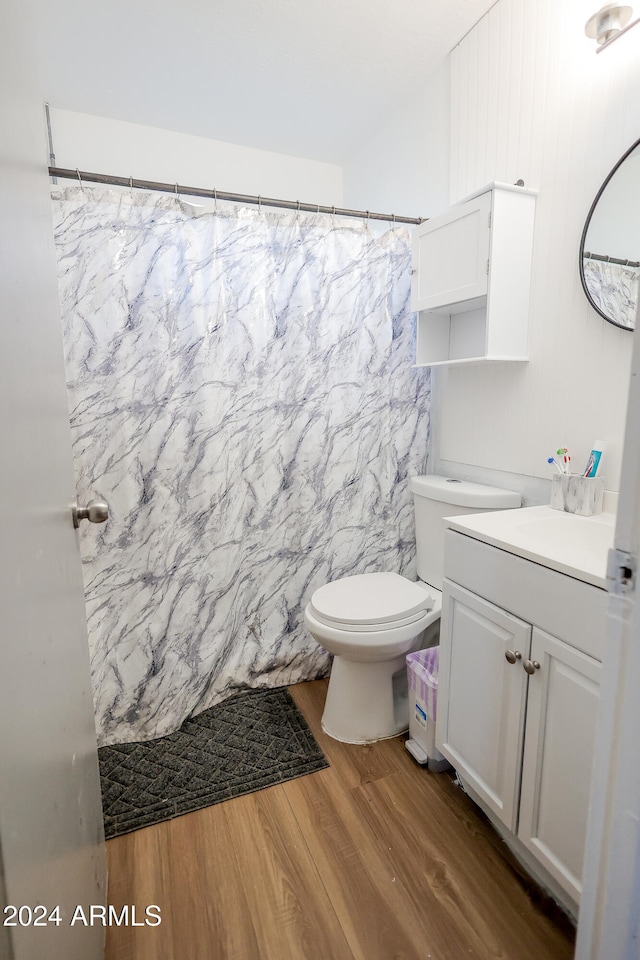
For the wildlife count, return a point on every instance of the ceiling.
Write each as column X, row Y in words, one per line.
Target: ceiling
column 310, row 78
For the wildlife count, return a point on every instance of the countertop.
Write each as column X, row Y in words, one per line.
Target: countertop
column 573, row 545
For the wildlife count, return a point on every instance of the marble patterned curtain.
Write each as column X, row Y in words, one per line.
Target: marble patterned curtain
column 242, row 394
column 614, row 287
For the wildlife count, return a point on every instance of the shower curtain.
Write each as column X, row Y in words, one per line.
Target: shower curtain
column 241, row 393
column 614, row 287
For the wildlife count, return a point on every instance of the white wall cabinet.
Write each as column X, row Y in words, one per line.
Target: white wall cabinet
column 522, row 742
column 451, row 256
column 471, row 278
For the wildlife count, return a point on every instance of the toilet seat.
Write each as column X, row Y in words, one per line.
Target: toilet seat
column 367, row 645
column 371, row 602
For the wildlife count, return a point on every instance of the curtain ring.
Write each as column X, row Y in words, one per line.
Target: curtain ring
column 80, row 180
column 176, row 190
column 131, row 186
column 259, row 204
column 215, row 200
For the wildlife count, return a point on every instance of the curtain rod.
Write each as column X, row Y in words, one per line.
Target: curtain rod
column 607, row 259
column 176, row 188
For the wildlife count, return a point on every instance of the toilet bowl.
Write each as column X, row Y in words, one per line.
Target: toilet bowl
column 371, row 621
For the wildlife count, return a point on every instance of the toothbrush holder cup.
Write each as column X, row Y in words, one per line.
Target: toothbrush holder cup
column 573, row 493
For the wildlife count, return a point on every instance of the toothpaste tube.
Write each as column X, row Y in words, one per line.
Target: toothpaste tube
column 594, row 459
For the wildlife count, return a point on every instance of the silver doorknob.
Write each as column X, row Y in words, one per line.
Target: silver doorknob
column 513, row 655
column 531, row 666
column 96, row 511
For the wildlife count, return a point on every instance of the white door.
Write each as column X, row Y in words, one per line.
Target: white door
column 609, row 922
column 562, row 707
column 480, row 731
column 451, row 256
column 51, row 834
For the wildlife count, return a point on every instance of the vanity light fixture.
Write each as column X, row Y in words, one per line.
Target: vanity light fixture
column 609, row 23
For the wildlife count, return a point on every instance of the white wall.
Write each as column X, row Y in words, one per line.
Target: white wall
column 530, row 98
column 100, row 145
column 404, row 167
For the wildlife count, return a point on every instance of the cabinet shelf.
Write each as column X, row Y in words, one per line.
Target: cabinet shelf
column 470, row 361
column 471, row 279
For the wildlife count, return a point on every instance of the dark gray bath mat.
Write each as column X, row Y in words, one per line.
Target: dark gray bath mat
column 252, row 740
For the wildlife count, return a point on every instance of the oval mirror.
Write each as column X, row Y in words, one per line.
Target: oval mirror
column 610, row 245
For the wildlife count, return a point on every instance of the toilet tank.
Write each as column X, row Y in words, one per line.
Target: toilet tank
column 438, row 497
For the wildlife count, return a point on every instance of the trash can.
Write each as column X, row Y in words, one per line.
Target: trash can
column 422, row 678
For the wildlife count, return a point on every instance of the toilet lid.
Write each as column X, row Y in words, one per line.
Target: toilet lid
column 370, row 598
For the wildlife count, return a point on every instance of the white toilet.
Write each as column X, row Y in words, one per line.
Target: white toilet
column 370, row 622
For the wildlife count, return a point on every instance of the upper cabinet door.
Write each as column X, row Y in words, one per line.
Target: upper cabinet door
column 451, row 256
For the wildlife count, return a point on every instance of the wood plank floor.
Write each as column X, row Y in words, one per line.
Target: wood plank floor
column 373, row 858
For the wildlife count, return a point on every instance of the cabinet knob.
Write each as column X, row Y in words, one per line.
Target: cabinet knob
column 531, row 665
column 513, row 655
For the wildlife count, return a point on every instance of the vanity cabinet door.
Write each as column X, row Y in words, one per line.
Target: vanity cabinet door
column 558, row 757
column 482, row 697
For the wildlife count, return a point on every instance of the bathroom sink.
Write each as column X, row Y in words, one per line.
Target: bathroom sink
column 576, row 546
column 564, row 531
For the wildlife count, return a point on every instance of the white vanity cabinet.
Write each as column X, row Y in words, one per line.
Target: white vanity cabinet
column 520, row 650
column 471, row 278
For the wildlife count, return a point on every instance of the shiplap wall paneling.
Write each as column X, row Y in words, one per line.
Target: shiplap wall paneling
column 531, row 99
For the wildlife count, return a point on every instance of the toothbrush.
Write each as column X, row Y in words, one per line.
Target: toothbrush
column 555, row 463
column 590, row 464
column 566, row 459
